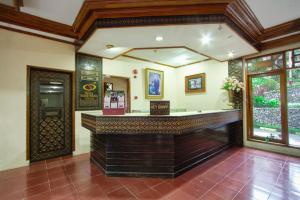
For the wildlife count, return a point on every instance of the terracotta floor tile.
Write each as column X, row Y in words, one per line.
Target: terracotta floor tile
column 151, row 182
column 92, row 193
column 165, row 188
column 149, row 194
column 239, row 173
column 120, row 194
column 180, row 195
column 232, row 184
column 31, row 191
column 59, row 182
column 223, row 192
column 211, row 196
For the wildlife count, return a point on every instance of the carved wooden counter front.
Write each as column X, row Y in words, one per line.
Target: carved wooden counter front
column 159, row 146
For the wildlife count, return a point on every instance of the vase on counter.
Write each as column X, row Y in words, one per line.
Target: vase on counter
column 230, row 99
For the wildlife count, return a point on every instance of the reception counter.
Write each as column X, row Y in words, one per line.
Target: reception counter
column 138, row 144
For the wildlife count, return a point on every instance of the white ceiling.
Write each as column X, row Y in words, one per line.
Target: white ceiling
column 8, row 2
column 63, row 11
column 169, row 56
column 274, row 12
column 222, row 41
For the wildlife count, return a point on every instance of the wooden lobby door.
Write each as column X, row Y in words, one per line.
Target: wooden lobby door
column 50, row 114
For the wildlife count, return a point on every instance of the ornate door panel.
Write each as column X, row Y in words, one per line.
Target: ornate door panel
column 50, row 114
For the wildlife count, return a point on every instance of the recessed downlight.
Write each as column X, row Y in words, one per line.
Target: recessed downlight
column 109, row 46
column 159, row 38
column 230, row 54
column 206, row 39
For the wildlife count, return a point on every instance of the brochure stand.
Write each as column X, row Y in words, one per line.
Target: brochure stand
column 114, row 103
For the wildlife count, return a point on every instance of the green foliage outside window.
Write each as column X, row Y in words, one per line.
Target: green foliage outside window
column 262, row 102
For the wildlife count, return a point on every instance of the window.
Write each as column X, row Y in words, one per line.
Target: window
column 274, row 98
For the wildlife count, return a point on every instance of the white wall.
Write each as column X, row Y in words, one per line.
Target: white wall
column 17, row 51
column 214, row 97
column 137, row 85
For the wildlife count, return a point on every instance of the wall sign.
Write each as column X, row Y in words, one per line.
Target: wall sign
column 159, row 107
column 88, row 82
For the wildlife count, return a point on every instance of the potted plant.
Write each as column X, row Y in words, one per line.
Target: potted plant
column 233, row 86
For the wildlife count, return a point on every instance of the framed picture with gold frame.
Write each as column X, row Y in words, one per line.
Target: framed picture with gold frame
column 154, row 84
column 195, row 83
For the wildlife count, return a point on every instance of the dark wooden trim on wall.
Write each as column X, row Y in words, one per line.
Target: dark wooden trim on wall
column 10, row 15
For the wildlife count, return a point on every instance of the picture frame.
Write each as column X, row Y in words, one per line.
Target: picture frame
column 154, row 84
column 195, row 83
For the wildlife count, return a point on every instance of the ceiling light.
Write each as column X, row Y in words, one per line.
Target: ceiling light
column 205, row 39
column 230, row 54
column 109, row 46
column 159, row 38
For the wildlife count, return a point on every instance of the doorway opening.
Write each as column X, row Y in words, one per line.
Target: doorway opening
column 118, row 83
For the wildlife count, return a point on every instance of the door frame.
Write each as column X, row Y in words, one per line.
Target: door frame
column 281, row 74
column 28, row 120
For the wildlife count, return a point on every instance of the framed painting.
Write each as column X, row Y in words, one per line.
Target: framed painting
column 154, row 84
column 195, row 83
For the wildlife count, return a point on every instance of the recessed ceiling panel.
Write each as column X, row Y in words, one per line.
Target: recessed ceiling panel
column 168, row 56
column 273, row 12
column 63, row 11
column 211, row 40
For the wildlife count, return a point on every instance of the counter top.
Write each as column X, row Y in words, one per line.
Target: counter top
column 142, row 123
column 172, row 114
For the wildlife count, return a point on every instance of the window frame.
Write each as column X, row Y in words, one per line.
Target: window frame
column 283, row 98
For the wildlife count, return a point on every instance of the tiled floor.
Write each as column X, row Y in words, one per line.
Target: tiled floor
column 238, row 173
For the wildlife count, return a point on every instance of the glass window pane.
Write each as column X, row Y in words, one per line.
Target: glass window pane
column 297, row 51
column 51, row 95
column 293, row 88
column 266, row 107
column 297, row 58
column 266, row 63
column 289, row 60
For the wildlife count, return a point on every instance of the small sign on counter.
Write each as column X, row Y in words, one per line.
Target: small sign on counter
column 159, row 107
column 114, row 103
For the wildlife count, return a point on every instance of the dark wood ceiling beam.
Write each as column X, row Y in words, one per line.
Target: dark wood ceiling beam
column 10, row 15
column 93, row 9
column 150, row 12
column 281, row 42
column 240, row 14
column 281, row 29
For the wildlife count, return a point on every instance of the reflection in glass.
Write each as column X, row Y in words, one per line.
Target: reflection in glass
column 266, row 107
column 266, row 63
column 51, row 94
column 293, row 91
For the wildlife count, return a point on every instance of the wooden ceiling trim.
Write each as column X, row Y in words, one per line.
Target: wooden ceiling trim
column 281, row 42
column 10, row 15
column 240, row 14
column 81, row 26
column 95, row 5
column 281, row 29
column 18, row 4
